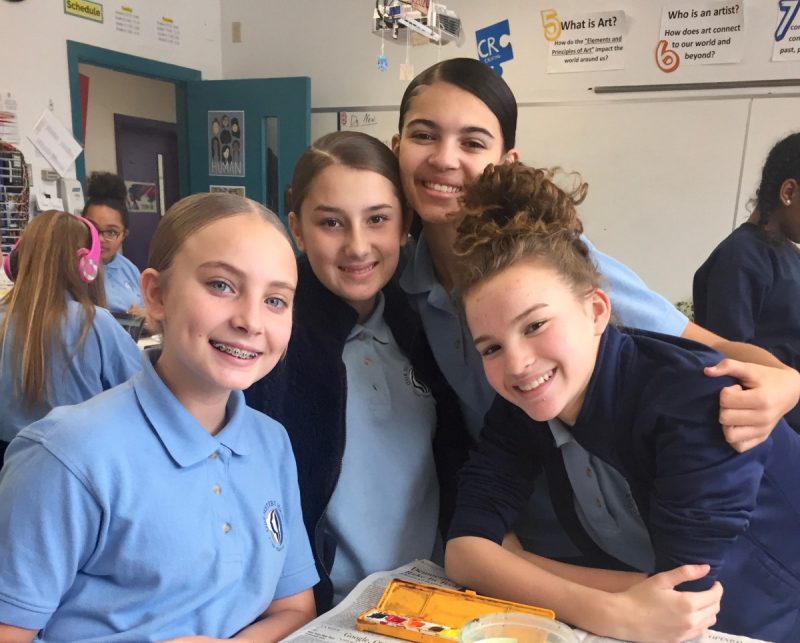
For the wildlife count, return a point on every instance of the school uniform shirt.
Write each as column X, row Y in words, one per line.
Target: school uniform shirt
column 748, row 290
column 122, row 519
column 107, row 357
column 650, row 414
column 384, row 511
column 121, row 278
column 308, row 392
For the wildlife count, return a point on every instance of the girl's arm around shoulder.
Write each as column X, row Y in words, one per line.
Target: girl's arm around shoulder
column 769, row 389
column 650, row 610
column 284, row 616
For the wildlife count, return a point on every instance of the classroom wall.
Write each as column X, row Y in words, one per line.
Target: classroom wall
column 34, row 65
column 112, row 92
column 670, row 173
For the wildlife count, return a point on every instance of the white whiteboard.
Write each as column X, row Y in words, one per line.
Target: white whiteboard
column 668, row 179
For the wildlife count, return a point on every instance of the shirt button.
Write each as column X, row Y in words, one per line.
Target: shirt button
column 588, row 472
column 599, row 503
column 213, row 456
column 367, row 361
column 216, row 490
column 361, row 336
column 458, row 344
column 226, row 527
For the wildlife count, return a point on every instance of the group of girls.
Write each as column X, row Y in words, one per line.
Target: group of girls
column 221, row 545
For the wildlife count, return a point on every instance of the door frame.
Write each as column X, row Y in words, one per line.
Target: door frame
column 78, row 52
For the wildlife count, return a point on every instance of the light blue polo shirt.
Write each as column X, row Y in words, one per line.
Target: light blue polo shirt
column 107, row 357
column 633, row 304
column 121, row 279
column 385, row 508
column 122, row 519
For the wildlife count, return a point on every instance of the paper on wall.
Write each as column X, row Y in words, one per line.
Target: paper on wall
column 55, row 143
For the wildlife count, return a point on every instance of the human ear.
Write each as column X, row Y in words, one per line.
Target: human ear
column 396, row 144
column 512, row 156
column 789, row 191
column 600, row 310
column 153, row 293
column 296, row 228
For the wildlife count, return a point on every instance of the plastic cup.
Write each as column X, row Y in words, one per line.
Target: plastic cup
column 511, row 627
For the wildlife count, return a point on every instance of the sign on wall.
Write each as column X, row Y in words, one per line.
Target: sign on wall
column 84, row 9
column 226, row 143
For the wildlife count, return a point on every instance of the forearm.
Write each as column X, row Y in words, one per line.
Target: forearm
column 606, row 580
column 490, row 569
column 735, row 350
column 282, row 618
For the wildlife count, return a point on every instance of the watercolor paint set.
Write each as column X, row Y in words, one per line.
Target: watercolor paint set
column 428, row 614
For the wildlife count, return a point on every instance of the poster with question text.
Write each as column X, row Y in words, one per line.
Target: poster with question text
column 700, row 33
column 584, row 42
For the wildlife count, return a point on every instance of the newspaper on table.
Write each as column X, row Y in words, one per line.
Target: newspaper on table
column 339, row 624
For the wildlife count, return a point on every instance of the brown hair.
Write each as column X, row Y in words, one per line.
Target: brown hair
column 35, row 307
column 352, row 149
column 514, row 212
column 195, row 212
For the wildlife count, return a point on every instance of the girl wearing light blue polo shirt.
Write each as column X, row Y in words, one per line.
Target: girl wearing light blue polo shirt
column 106, row 208
column 376, row 431
column 166, row 507
column 57, row 344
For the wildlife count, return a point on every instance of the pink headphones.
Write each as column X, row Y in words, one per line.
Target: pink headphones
column 88, row 258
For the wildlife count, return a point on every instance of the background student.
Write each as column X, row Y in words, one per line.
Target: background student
column 625, row 428
column 177, row 511
column 58, row 345
column 105, row 207
column 371, row 420
column 458, row 116
column 749, row 288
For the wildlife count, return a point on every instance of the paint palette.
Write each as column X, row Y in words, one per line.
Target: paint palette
column 431, row 614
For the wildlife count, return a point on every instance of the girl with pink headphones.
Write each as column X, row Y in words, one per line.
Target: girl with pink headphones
column 57, row 345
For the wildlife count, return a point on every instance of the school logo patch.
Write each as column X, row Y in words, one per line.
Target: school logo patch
column 420, row 388
column 273, row 521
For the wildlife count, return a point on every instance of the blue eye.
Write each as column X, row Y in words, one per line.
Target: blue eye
column 276, row 302
column 219, row 285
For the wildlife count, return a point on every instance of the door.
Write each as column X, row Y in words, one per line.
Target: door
column 246, row 135
column 147, row 160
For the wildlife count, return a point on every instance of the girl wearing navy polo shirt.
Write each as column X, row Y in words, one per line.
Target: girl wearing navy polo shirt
column 165, row 507
column 749, row 288
column 57, row 344
column 624, row 427
column 374, row 427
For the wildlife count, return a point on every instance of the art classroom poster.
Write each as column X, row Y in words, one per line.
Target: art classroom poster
column 226, row 143
column 584, row 42
column 700, row 33
column 787, row 31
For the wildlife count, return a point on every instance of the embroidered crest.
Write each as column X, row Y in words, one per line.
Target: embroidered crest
column 421, row 389
column 274, row 523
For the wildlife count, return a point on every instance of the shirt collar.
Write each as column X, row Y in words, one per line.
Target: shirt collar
column 375, row 326
column 181, row 434
column 561, row 434
column 418, row 275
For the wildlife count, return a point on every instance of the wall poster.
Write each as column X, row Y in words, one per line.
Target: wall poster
column 226, row 143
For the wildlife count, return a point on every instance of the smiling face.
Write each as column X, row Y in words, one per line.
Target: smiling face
column 449, row 136
column 537, row 339
column 351, row 227
column 225, row 304
column 108, row 222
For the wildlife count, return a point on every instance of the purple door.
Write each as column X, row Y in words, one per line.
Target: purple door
column 147, row 160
